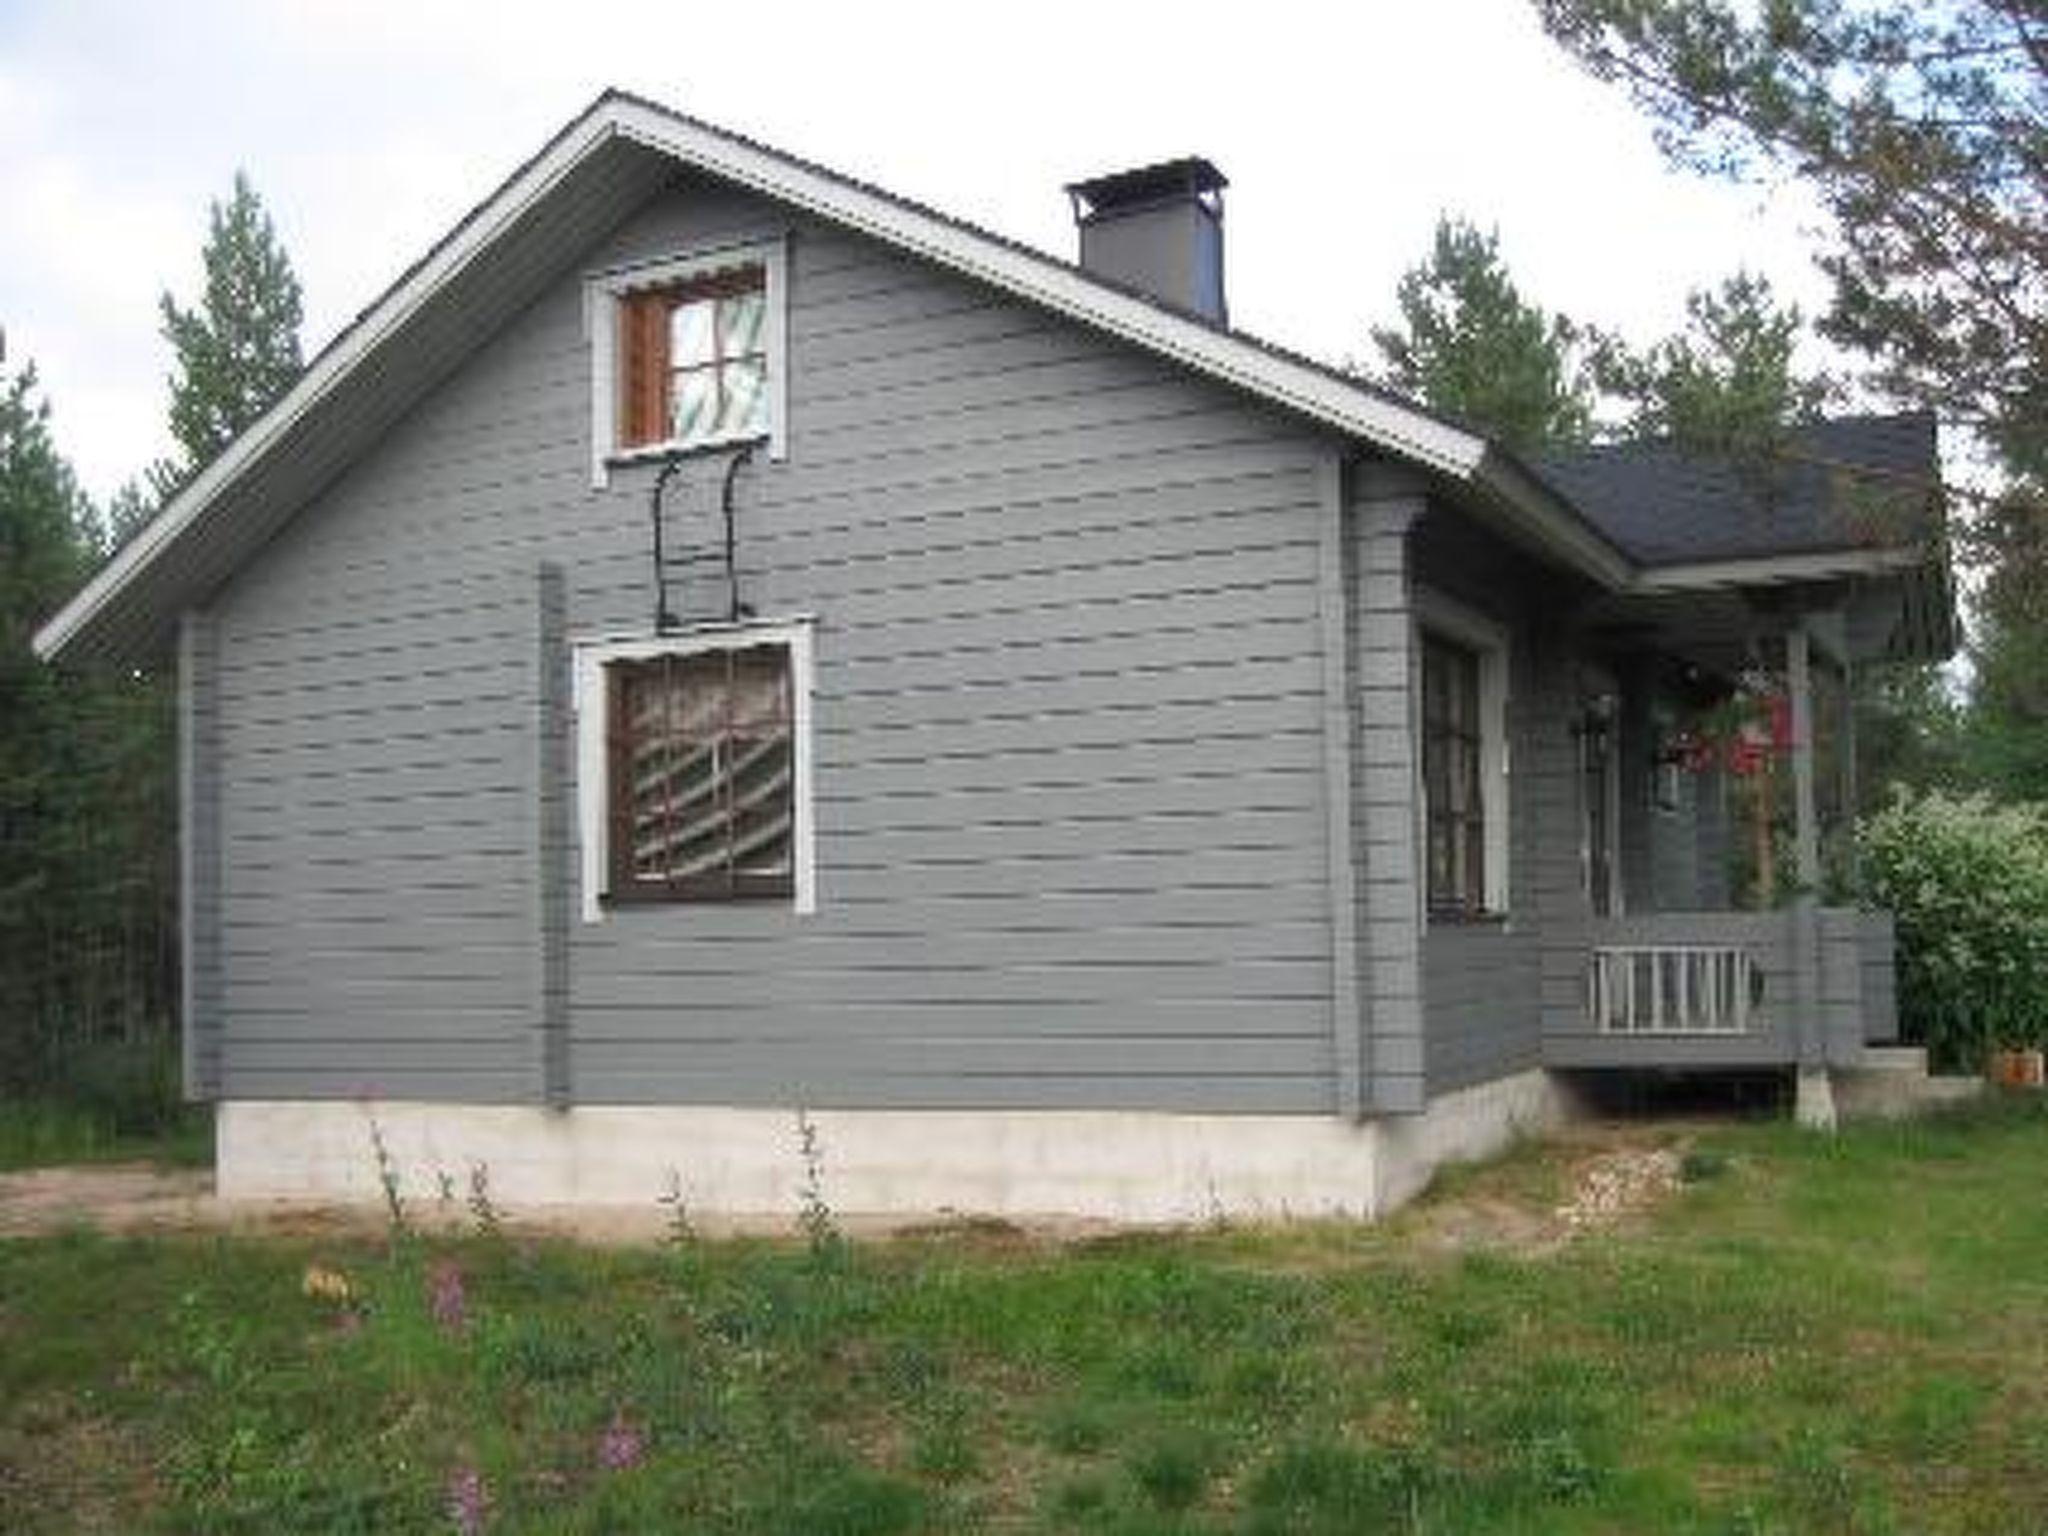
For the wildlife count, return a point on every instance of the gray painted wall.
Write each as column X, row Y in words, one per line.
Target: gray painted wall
column 1482, row 1009
column 1112, row 665
column 1070, row 753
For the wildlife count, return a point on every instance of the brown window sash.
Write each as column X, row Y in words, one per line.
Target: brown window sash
column 644, row 372
column 1454, row 809
column 741, row 802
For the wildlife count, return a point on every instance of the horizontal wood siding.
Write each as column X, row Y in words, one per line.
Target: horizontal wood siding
column 1482, row 981
column 1070, row 767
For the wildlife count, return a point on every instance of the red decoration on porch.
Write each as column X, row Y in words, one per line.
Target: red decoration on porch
column 1744, row 756
column 1742, row 735
column 1779, row 707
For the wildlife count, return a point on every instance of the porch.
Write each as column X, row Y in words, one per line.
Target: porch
column 1667, row 973
column 1803, row 984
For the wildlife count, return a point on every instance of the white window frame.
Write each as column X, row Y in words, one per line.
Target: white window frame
column 602, row 293
column 591, row 655
column 1488, row 639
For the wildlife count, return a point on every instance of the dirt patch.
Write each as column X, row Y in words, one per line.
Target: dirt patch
column 1591, row 1176
column 142, row 1197
column 117, row 1197
column 1620, row 1184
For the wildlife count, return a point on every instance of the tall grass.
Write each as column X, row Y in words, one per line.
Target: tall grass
column 114, row 1100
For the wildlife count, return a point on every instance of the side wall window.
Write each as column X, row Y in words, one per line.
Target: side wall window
column 693, row 767
column 1460, row 720
column 1454, row 806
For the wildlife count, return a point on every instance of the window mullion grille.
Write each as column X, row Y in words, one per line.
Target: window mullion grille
column 622, row 796
column 718, row 362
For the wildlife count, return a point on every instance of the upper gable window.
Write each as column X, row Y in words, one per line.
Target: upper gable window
column 688, row 354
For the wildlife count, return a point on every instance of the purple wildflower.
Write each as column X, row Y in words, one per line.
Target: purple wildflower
column 445, row 1298
column 469, row 1501
column 622, row 1444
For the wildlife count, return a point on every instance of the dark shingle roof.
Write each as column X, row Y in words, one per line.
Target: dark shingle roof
column 1856, row 482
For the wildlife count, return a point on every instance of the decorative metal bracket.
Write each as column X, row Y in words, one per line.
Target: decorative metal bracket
column 666, row 569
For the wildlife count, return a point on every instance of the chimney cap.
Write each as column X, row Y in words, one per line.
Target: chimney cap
column 1121, row 191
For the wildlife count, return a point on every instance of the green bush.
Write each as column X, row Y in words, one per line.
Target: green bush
column 1967, row 879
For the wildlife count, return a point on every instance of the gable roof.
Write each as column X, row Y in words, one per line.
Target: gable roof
column 1853, row 484
column 506, row 250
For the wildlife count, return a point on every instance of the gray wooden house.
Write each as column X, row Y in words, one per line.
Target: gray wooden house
column 1081, row 757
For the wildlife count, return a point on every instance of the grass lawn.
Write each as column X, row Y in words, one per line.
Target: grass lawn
column 1837, row 1335
column 37, row 1133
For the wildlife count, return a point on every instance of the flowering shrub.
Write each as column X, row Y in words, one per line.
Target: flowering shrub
column 446, row 1299
column 469, row 1500
column 622, row 1445
column 1967, row 879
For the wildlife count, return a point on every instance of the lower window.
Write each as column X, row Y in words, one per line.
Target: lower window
column 695, row 768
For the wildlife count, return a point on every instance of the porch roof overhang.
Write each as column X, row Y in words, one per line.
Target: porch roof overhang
column 1863, row 606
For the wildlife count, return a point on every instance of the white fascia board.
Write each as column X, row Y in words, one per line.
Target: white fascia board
column 1775, row 570
column 1310, row 391
column 391, row 313
column 1316, row 394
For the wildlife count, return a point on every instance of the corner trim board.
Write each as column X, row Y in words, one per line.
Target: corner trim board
column 1347, row 1012
column 199, row 852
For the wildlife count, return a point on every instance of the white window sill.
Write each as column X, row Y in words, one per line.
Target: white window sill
column 654, row 453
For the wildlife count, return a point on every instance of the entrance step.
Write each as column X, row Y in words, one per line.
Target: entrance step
column 1892, row 1081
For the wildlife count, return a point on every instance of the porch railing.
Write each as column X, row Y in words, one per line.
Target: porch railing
column 1673, row 989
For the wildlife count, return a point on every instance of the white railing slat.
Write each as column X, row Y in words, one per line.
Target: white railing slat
column 1670, row 989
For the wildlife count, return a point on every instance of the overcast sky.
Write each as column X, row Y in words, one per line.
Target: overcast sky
column 369, row 128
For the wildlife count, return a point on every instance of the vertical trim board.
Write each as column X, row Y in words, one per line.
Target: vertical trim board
column 1340, row 741
column 551, row 828
column 1385, row 801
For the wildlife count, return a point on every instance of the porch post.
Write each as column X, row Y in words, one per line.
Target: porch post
column 1815, row 1102
column 1852, row 788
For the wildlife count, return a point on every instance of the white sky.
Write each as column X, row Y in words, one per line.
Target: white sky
column 369, row 128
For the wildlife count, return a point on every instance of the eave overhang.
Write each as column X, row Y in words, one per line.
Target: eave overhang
column 511, row 245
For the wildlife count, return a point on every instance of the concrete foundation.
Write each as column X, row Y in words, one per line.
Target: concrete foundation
column 1813, row 1099
column 1108, row 1165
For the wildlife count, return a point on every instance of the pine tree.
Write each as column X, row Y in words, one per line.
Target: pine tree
column 1471, row 346
column 1922, row 125
column 85, row 841
column 1728, row 382
column 239, row 349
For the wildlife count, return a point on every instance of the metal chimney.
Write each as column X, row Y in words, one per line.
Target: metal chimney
column 1158, row 229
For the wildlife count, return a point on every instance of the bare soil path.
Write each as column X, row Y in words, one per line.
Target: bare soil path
column 115, row 1197
column 1588, row 1175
